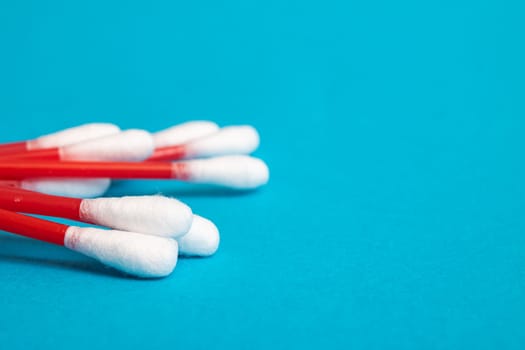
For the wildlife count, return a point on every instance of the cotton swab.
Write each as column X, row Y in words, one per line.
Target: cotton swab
column 129, row 145
column 229, row 140
column 84, row 188
column 239, row 172
column 183, row 133
column 134, row 253
column 67, row 136
column 154, row 215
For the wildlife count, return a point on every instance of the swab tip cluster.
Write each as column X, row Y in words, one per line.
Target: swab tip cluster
column 147, row 233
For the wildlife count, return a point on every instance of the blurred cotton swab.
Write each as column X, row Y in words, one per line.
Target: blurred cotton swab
column 134, row 145
column 154, row 215
column 64, row 137
column 229, row 140
column 183, row 133
column 134, row 253
column 129, row 145
column 239, row 172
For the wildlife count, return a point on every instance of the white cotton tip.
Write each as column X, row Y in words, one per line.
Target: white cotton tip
column 129, row 145
column 239, row 172
column 134, row 253
column 201, row 240
column 154, row 215
column 73, row 135
column 81, row 188
column 183, row 133
column 243, row 139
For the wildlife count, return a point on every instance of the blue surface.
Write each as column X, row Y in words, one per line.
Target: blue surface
column 395, row 135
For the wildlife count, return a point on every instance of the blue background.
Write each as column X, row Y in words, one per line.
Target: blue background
column 394, row 132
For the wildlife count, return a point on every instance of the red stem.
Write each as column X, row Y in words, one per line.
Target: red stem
column 31, row 227
column 11, row 169
column 25, row 201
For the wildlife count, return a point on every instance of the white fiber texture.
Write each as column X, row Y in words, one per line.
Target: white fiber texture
column 242, row 139
column 134, row 253
column 81, row 188
column 183, row 133
column 239, row 172
column 202, row 239
column 73, row 135
column 154, row 215
column 129, row 145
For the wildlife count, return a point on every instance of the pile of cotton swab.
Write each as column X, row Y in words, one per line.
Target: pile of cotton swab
column 47, row 175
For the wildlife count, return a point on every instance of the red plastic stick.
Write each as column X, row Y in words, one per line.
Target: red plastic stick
column 177, row 152
column 24, row 201
column 11, row 169
column 13, row 147
column 162, row 153
column 31, row 227
column 40, row 154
